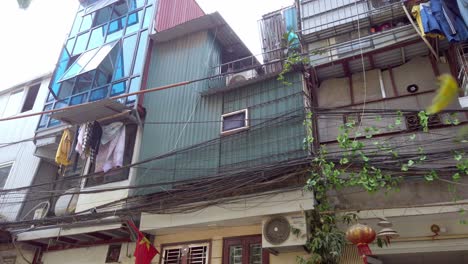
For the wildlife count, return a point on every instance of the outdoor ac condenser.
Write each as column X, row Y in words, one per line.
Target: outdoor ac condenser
column 285, row 232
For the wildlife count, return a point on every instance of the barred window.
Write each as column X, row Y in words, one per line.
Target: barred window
column 186, row 254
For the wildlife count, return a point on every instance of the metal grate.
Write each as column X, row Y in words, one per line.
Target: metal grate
column 413, row 122
column 197, row 254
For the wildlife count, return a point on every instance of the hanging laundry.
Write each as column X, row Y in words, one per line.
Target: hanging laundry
column 80, row 147
column 463, row 8
column 95, row 140
column 61, row 157
column 89, row 138
column 418, row 12
column 449, row 19
column 111, row 152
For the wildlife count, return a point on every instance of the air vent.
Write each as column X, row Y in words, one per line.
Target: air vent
column 277, row 230
column 414, row 123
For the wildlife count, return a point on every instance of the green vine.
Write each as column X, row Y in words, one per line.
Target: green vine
column 354, row 168
column 293, row 57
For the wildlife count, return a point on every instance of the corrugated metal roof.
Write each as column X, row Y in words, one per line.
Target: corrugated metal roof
column 172, row 13
column 235, row 48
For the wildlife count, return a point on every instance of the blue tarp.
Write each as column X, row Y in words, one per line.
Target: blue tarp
column 444, row 17
column 463, row 7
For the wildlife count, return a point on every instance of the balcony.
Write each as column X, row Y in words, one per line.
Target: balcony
column 321, row 19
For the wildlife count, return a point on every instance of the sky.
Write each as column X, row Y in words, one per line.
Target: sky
column 32, row 39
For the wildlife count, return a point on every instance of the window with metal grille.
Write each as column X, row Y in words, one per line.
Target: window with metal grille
column 244, row 250
column 186, row 254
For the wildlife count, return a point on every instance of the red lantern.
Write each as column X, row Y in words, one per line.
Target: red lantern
column 362, row 236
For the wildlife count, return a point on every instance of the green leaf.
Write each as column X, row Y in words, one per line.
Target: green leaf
column 410, row 163
column 404, row 167
column 456, row 176
column 458, row 157
column 431, row 176
column 344, row 161
column 412, row 137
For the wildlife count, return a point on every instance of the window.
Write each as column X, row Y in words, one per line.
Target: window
column 4, row 172
column 120, row 175
column 113, row 253
column 186, row 254
column 244, row 250
column 30, row 98
column 99, row 5
column 14, row 101
column 235, row 121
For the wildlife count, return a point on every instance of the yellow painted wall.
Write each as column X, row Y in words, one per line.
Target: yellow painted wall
column 216, row 236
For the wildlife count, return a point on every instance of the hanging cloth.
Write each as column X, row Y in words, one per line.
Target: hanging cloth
column 65, row 145
column 112, row 149
column 94, row 140
column 451, row 24
column 418, row 12
column 463, row 8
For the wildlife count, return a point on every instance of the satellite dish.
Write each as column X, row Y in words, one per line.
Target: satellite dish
column 276, row 230
column 66, row 203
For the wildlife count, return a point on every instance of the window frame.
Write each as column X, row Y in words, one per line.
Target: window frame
column 235, row 130
column 180, row 245
column 245, row 241
column 27, row 95
column 3, row 165
column 19, row 106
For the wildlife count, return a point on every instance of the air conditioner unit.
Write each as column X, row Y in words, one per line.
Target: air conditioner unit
column 285, row 232
column 240, row 77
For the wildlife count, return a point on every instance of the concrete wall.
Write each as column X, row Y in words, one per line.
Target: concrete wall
column 20, row 155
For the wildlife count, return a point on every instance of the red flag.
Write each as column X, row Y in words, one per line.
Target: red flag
column 144, row 251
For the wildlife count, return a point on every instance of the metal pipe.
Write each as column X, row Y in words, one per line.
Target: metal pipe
column 419, row 32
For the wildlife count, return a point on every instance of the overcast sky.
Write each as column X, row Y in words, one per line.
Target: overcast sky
column 31, row 40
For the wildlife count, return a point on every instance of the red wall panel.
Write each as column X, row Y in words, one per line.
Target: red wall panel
column 174, row 12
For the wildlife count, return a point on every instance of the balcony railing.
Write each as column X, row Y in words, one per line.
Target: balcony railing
column 321, row 19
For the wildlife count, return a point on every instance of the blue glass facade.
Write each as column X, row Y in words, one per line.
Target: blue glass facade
column 103, row 55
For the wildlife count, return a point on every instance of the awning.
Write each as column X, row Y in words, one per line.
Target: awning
column 61, row 238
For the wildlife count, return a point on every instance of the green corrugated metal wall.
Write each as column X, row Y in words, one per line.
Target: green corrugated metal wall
column 192, row 57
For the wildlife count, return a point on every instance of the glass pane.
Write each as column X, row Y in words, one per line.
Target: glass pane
column 59, row 71
column 133, row 22
column 140, row 57
column 70, row 44
column 58, row 105
column 125, row 58
column 235, row 254
column 77, row 23
column 99, row 57
column 97, row 37
column 134, row 4
column 102, row 16
column 118, row 88
column 83, row 82
column 234, row 121
column 255, row 254
column 13, row 104
column 81, row 43
column 78, row 99
column 134, row 86
column 148, row 16
column 115, row 29
column 66, row 88
column 45, row 118
column 98, row 94
column 79, row 64
column 87, row 22
column 101, row 79
column 120, row 9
